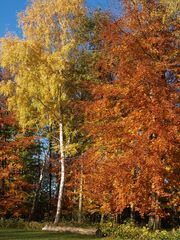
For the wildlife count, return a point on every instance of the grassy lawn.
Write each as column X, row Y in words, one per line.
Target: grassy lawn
column 16, row 234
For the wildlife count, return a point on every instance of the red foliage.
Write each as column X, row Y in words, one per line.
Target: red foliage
column 13, row 186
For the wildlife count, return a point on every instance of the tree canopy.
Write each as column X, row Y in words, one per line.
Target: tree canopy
column 101, row 94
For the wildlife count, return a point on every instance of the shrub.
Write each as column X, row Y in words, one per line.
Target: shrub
column 20, row 224
column 131, row 232
column 12, row 223
column 35, row 225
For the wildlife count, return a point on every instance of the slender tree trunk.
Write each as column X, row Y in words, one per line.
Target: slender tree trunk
column 50, row 178
column 50, row 189
column 80, row 197
column 102, row 218
column 49, row 171
column 62, row 161
column 154, row 222
column 38, row 189
column 3, row 182
column 132, row 215
column 74, row 213
column 116, row 218
column 157, row 222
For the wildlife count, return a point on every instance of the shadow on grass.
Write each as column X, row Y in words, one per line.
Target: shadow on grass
column 13, row 234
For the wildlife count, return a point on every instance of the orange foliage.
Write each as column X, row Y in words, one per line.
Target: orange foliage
column 132, row 119
column 13, row 186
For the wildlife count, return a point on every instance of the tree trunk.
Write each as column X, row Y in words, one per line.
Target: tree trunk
column 38, row 189
column 50, row 177
column 154, row 222
column 50, row 171
column 154, row 219
column 102, row 218
column 50, row 190
column 80, row 197
column 132, row 217
column 61, row 186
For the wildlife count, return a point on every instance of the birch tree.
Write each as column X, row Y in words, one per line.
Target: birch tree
column 39, row 92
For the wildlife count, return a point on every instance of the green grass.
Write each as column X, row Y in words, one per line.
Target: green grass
column 16, row 234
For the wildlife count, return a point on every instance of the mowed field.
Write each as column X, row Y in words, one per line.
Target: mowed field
column 16, row 234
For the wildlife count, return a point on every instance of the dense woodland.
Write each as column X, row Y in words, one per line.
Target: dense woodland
column 89, row 113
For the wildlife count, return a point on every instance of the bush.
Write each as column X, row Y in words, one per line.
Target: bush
column 12, row 223
column 20, row 224
column 35, row 225
column 131, row 232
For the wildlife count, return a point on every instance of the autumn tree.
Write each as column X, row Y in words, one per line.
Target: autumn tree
column 102, row 92
column 38, row 62
column 84, row 71
column 132, row 118
column 14, row 187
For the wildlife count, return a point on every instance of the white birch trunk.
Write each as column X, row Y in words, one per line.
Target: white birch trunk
column 61, row 186
column 80, row 197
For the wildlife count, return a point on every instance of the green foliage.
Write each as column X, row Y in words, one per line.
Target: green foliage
column 19, row 223
column 12, row 223
column 131, row 232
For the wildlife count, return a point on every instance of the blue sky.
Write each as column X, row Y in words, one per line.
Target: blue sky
column 10, row 8
column 8, row 15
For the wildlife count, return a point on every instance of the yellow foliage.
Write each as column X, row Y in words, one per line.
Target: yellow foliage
column 37, row 62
